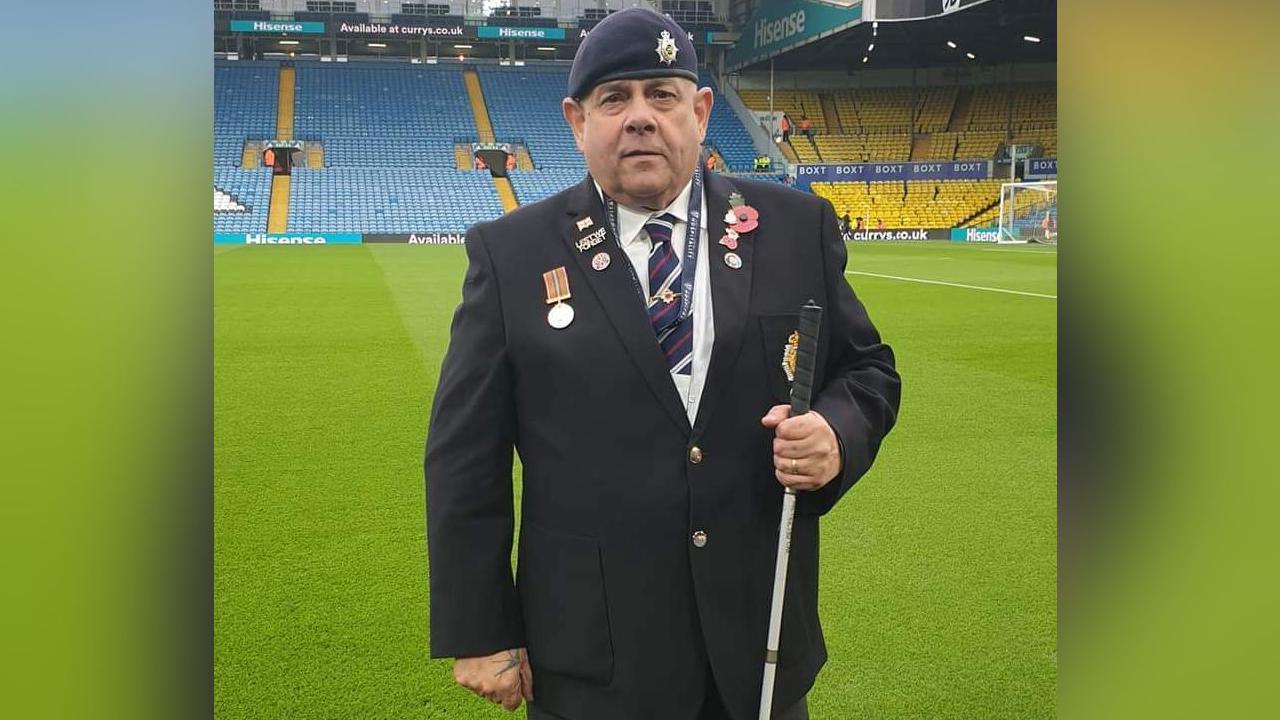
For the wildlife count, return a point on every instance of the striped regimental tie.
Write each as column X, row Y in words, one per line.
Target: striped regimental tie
column 674, row 335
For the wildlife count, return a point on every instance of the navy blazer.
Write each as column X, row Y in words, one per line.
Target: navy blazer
column 621, row 611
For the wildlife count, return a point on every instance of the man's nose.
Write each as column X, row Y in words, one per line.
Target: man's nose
column 640, row 119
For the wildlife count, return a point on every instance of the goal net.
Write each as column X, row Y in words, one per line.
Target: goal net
column 1029, row 212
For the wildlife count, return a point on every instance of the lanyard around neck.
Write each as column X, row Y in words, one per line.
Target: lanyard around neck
column 692, row 234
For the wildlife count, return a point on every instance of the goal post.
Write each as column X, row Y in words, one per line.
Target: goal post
column 1029, row 212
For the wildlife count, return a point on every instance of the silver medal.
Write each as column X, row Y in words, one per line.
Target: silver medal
column 732, row 260
column 600, row 261
column 560, row 315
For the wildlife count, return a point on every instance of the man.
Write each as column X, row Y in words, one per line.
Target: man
column 629, row 337
column 846, row 230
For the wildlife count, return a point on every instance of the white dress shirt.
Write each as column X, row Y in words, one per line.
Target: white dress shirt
column 636, row 243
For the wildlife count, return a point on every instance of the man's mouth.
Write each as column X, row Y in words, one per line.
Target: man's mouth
column 641, row 153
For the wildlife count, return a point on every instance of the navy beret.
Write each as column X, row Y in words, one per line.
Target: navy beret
column 633, row 43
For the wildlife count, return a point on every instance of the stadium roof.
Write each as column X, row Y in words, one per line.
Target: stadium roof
column 992, row 31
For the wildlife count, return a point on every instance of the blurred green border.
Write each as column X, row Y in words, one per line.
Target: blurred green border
column 1167, row 112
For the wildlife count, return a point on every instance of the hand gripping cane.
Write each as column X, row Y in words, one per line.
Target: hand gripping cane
column 801, row 389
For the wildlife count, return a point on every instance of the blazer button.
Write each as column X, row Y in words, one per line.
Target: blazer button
column 699, row 538
column 695, row 454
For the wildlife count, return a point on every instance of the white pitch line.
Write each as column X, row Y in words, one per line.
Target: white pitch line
column 1018, row 250
column 951, row 284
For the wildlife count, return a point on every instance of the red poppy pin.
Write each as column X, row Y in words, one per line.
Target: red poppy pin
column 745, row 219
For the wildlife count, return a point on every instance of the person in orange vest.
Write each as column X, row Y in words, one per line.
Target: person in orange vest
column 785, row 125
column 269, row 158
column 806, row 126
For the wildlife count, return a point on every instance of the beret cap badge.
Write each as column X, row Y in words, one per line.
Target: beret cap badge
column 621, row 47
column 666, row 48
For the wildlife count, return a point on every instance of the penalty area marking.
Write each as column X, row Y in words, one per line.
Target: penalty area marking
column 951, row 284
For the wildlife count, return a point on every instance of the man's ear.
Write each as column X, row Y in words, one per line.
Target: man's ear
column 702, row 103
column 576, row 116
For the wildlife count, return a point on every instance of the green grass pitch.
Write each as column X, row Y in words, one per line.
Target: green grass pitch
column 938, row 590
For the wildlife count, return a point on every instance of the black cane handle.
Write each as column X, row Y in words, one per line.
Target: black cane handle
column 806, row 357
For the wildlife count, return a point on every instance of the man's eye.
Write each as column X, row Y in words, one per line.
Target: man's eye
column 611, row 98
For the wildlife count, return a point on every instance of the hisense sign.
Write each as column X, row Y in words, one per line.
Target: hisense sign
column 277, row 26
column 768, row 33
column 780, row 26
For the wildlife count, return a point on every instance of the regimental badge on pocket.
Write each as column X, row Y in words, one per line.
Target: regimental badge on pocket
column 789, row 355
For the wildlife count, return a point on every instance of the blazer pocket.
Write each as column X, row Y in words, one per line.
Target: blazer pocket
column 775, row 332
column 566, row 617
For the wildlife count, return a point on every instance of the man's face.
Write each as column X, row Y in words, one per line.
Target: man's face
column 641, row 138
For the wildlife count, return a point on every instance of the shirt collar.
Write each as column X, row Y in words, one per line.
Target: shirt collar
column 631, row 222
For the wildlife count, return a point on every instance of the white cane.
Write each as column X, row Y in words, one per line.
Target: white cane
column 801, row 390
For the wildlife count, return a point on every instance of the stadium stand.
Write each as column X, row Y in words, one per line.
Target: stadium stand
column 534, row 185
column 390, row 200
column 244, row 108
column 979, row 144
column 725, row 132
column 989, row 109
column 383, row 115
column 942, row 146
column 878, row 147
column 689, row 12
column 794, row 103
column 936, row 106
column 878, row 123
column 1035, row 106
column 913, row 203
column 251, row 189
column 875, row 109
column 524, row 106
column 389, row 133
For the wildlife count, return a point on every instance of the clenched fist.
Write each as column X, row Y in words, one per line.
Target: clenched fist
column 503, row 677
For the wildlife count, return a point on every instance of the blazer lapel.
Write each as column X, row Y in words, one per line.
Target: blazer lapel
column 617, row 295
column 730, row 295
